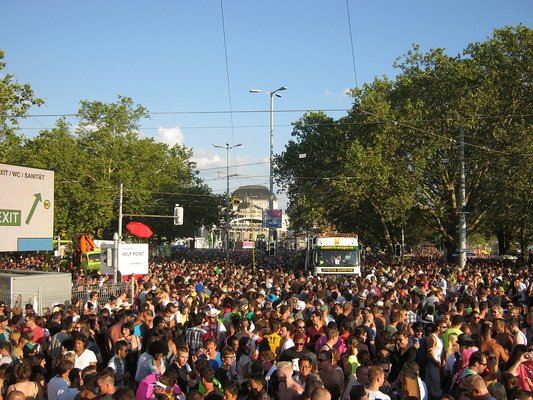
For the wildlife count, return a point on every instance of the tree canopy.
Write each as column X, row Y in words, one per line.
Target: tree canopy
column 105, row 150
column 392, row 163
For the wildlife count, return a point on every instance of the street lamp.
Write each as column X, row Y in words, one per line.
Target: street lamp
column 228, row 148
column 271, row 174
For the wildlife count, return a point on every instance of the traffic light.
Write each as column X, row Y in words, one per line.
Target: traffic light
column 398, row 250
column 272, row 249
column 178, row 215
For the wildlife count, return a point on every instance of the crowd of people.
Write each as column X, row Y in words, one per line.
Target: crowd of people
column 200, row 327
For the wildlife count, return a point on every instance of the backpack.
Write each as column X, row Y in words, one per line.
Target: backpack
column 451, row 382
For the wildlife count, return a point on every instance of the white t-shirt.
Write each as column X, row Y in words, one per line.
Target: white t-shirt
column 287, row 344
column 377, row 395
column 520, row 338
column 85, row 359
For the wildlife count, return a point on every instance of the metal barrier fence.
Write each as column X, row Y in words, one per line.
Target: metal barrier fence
column 44, row 299
column 104, row 292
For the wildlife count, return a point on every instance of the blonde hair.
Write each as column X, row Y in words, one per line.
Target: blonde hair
column 453, row 338
column 69, row 355
column 283, row 365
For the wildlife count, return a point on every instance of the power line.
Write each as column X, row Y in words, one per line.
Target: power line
column 426, row 120
column 351, row 41
column 75, row 115
column 451, row 140
column 234, row 166
column 407, row 124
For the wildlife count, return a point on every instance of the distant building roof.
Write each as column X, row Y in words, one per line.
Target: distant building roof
column 253, row 192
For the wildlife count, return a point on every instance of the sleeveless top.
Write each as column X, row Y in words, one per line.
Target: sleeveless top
column 436, row 351
column 34, row 394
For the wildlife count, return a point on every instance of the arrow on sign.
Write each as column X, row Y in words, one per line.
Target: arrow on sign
column 38, row 198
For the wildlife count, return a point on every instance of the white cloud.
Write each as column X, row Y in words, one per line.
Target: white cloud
column 170, row 136
column 340, row 96
column 205, row 160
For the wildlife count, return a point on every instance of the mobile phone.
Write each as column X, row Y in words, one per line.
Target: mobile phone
column 416, row 340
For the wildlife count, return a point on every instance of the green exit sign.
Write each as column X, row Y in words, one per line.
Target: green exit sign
column 10, row 217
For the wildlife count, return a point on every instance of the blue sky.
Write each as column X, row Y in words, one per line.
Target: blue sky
column 169, row 56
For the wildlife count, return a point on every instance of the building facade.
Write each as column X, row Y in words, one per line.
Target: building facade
column 249, row 206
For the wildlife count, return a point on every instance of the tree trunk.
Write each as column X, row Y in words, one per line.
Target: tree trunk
column 504, row 240
column 450, row 247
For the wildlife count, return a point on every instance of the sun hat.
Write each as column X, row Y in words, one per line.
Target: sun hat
column 212, row 311
column 271, row 298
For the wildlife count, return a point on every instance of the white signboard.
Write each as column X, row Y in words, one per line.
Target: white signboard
column 26, row 208
column 132, row 259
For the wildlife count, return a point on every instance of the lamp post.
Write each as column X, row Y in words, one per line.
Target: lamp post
column 228, row 148
column 271, row 174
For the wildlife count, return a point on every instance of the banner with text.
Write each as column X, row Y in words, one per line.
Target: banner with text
column 273, row 218
column 26, row 208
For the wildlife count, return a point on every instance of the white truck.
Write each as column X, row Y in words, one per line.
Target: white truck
column 334, row 254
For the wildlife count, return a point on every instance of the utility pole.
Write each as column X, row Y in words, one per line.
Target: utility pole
column 228, row 148
column 462, row 203
column 120, row 195
column 272, row 94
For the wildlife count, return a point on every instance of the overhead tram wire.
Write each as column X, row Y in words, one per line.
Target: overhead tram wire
column 228, row 82
column 325, row 110
column 351, row 42
column 384, row 120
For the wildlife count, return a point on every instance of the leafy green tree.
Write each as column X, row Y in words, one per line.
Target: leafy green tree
column 58, row 150
column 505, row 65
column 15, row 101
column 306, row 166
column 396, row 155
column 104, row 150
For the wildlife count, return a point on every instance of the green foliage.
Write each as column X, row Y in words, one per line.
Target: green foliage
column 105, row 150
column 15, row 101
column 394, row 159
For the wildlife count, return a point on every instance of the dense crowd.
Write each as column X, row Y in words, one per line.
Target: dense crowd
column 201, row 328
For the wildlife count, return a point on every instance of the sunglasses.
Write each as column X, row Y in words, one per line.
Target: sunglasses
column 299, row 344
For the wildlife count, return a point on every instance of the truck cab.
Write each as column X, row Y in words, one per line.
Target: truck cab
column 90, row 261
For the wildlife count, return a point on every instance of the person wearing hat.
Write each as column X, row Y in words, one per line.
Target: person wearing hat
column 213, row 326
column 271, row 298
